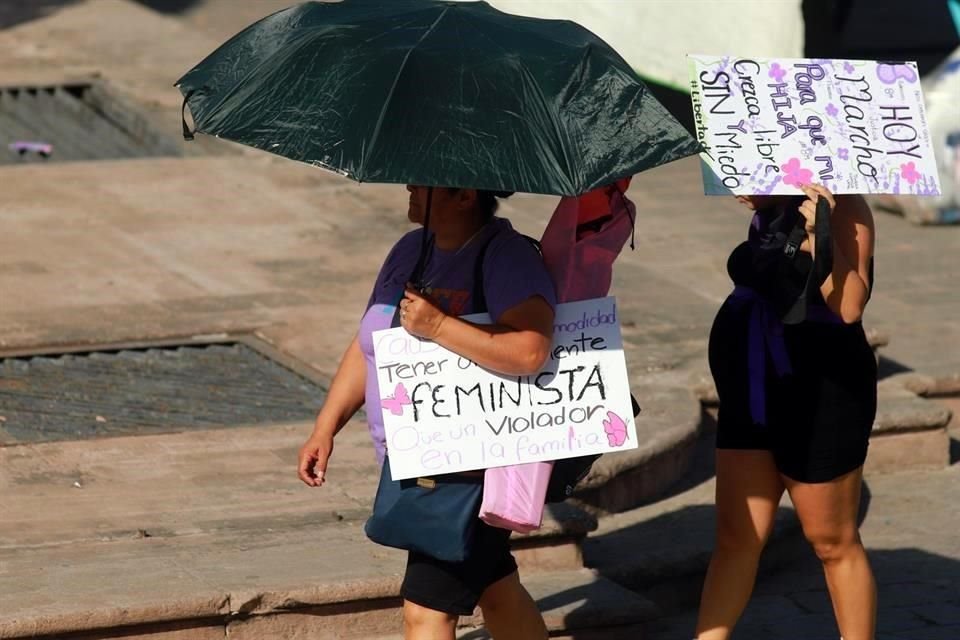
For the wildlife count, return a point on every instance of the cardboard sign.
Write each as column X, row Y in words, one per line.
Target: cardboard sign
column 854, row 126
column 443, row 413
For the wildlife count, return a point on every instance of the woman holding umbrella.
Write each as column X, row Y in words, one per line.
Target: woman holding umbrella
column 440, row 94
column 519, row 297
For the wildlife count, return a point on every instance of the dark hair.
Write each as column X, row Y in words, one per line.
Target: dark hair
column 487, row 201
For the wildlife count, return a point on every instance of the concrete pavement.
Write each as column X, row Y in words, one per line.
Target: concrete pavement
column 910, row 531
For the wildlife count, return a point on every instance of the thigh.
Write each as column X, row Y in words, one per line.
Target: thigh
column 748, row 493
column 827, row 510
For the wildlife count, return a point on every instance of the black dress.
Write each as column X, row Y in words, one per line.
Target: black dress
column 807, row 391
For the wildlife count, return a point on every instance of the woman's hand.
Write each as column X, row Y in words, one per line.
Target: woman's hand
column 809, row 207
column 344, row 399
column 314, row 455
column 419, row 315
column 847, row 289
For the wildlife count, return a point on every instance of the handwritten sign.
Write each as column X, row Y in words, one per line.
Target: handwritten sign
column 854, row 126
column 443, row 413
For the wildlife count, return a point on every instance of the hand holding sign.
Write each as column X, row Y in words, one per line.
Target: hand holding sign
column 809, row 207
column 419, row 316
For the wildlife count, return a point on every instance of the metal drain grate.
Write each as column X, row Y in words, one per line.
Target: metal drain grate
column 74, row 122
column 138, row 392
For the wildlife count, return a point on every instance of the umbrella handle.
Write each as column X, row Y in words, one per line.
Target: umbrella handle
column 421, row 265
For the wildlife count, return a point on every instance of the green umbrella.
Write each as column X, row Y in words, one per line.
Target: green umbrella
column 434, row 93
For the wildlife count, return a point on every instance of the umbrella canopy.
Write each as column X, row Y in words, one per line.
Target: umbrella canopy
column 435, row 93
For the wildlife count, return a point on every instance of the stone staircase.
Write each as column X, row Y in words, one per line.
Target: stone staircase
column 258, row 562
column 213, row 540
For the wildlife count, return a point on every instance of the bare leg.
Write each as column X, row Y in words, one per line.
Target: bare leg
column 421, row 623
column 509, row 612
column 748, row 492
column 828, row 513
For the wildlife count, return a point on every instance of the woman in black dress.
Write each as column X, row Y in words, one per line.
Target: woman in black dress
column 796, row 380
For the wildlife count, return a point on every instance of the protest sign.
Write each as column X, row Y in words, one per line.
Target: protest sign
column 769, row 124
column 443, row 413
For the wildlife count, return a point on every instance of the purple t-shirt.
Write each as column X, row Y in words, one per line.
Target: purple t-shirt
column 513, row 271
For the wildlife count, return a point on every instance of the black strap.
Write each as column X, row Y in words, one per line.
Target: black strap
column 478, row 297
column 822, row 264
column 823, row 260
column 795, row 238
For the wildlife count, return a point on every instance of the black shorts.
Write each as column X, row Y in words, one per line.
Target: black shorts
column 456, row 587
column 819, row 417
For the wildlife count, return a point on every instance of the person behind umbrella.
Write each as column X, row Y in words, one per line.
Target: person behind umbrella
column 796, row 380
column 520, row 299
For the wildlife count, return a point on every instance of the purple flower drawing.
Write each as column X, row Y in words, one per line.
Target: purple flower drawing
column 832, row 111
column 777, row 72
column 889, row 73
column 795, row 175
column 909, row 173
column 843, row 153
column 849, row 68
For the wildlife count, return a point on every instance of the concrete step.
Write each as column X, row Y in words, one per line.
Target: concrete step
column 576, row 604
column 916, row 211
column 144, row 602
column 910, row 432
column 556, row 545
column 219, row 482
column 667, row 430
column 189, row 530
column 910, row 429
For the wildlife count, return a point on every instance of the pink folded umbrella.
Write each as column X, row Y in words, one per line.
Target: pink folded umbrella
column 583, row 238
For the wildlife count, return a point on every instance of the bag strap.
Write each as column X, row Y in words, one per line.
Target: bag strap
column 822, row 262
column 479, row 296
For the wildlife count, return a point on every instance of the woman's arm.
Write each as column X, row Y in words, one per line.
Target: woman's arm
column 847, row 289
column 344, row 399
column 518, row 344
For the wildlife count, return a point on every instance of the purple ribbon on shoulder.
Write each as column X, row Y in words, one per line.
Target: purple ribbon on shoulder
column 765, row 335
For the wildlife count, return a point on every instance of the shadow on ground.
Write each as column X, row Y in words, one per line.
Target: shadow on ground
column 887, row 367
column 15, row 12
column 173, row 6
column 664, row 558
column 918, row 599
column 20, row 11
